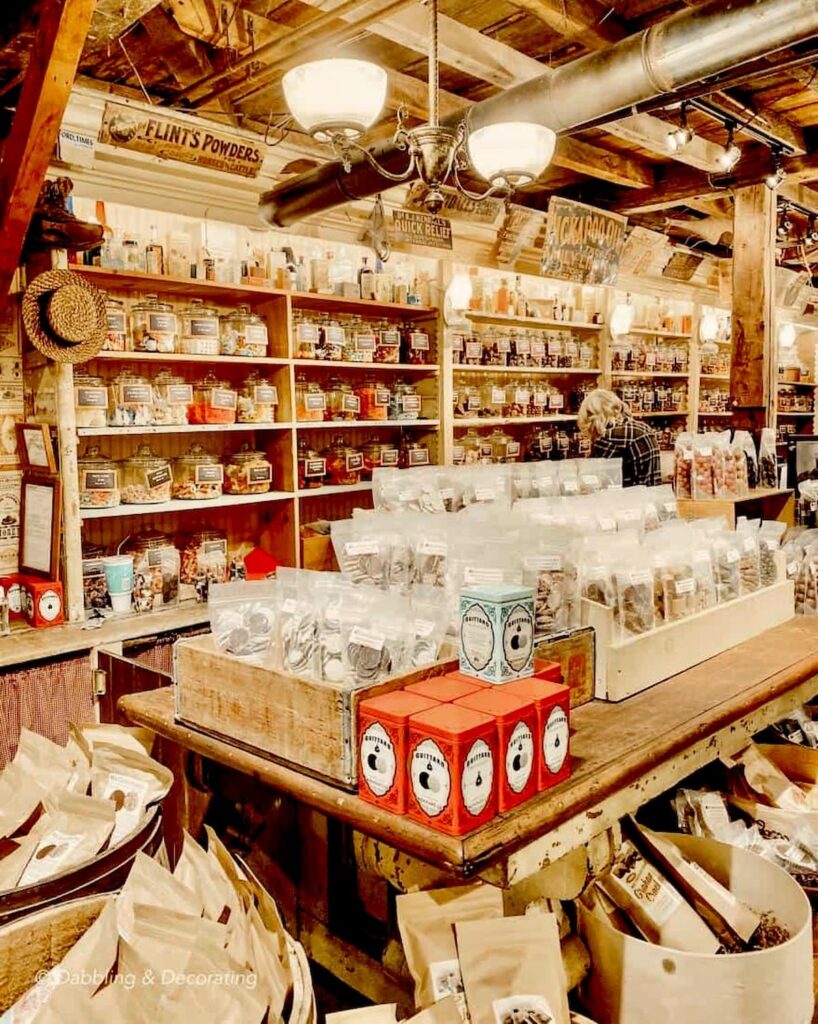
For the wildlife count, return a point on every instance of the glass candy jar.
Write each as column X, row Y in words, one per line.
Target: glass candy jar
column 413, row 453
column 310, row 400
column 146, row 478
column 130, row 401
column 154, row 326
column 197, row 475
column 248, row 472
column 99, row 480
column 344, row 463
column 116, row 319
column 374, row 398
column 199, row 335
column 243, row 333
column 258, row 400
column 90, row 401
column 172, row 397
column 204, row 557
column 342, row 402
column 312, row 467
column 405, row 403
column 214, row 401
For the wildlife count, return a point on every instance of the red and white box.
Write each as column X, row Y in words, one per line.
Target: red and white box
column 552, row 701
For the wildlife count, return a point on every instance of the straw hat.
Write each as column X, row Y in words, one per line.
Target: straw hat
column 64, row 316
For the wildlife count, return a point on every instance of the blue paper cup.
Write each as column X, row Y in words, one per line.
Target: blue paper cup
column 119, row 577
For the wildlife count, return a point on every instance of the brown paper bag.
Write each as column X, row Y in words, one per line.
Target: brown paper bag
column 444, row 1011
column 768, row 781
column 166, row 938
column 385, row 1013
column 131, row 781
column 274, row 976
column 426, row 920
column 21, row 800
column 196, row 870
column 512, row 970
column 129, row 737
column 149, row 883
column 49, row 763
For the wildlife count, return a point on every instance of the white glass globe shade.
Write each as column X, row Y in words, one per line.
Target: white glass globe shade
column 786, row 335
column 459, row 292
column 338, row 95
column 513, row 152
column 709, row 327
column 622, row 319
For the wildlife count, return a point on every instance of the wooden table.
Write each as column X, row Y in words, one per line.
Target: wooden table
column 762, row 503
column 623, row 755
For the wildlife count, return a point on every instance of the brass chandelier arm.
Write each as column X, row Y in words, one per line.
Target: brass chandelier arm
column 343, row 147
column 478, row 197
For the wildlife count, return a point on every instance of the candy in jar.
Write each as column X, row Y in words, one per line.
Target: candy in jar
column 310, row 401
column 90, row 401
column 243, row 333
column 405, row 403
column 344, row 463
column 413, row 453
column 146, row 478
column 387, row 349
column 213, row 402
column 197, row 475
column 116, row 317
column 374, row 398
column 172, row 397
column 312, row 467
column 154, row 326
column 200, row 330
column 204, row 557
column 248, row 472
column 99, row 480
column 258, row 400
column 156, row 565
column 417, row 348
column 342, row 402
column 130, row 401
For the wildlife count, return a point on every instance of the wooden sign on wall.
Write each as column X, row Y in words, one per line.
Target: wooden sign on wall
column 421, row 229
column 456, row 206
column 173, row 139
column 582, row 243
column 682, row 266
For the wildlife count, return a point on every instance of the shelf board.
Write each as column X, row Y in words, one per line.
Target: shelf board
column 199, row 505
column 679, row 413
column 647, row 373
column 530, row 321
column 317, row 492
column 332, row 364
column 707, row 415
column 357, row 424
column 652, row 332
column 190, row 428
column 714, row 376
column 781, row 412
column 180, row 357
column 554, row 371
column 797, row 383
column 498, row 421
column 366, row 307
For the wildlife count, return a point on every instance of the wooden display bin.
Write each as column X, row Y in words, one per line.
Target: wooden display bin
column 305, row 722
column 626, row 667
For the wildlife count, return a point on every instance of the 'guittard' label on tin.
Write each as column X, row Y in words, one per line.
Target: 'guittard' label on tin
column 519, row 757
column 555, row 740
column 378, row 760
column 431, row 778
column 478, row 777
column 518, row 637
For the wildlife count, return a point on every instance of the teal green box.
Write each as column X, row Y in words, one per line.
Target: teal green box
column 497, row 632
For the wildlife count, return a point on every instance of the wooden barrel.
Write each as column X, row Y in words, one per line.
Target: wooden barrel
column 102, row 874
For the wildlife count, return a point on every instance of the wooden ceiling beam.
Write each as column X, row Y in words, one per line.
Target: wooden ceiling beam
column 744, row 110
column 61, row 33
column 582, row 21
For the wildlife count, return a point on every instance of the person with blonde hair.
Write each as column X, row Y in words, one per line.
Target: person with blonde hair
column 614, row 434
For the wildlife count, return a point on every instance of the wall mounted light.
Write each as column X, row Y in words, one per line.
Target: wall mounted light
column 731, row 154
column 708, row 328
column 786, row 335
column 622, row 318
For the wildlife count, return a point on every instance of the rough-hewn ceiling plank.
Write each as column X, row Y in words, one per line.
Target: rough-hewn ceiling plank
column 582, row 21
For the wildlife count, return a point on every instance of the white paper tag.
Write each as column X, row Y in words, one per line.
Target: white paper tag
column 53, row 850
column 129, row 794
column 433, row 547
column 369, row 546
column 685, row 586
column 367, row 638
column 484, row 494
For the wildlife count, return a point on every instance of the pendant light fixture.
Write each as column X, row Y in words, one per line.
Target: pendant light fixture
column 337, row 100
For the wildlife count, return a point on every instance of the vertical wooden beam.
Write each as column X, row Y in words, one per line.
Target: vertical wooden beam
column 61, row 33
column 751, row 371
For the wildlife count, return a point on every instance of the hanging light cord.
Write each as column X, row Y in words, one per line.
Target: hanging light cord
column 434, row 65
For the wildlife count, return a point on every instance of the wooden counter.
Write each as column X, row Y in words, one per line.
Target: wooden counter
column 623, row 754
column 763, row 502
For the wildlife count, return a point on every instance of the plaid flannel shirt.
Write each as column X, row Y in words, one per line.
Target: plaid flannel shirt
column 635, row 443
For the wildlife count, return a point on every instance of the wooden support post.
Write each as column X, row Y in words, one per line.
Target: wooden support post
column 61, row 33
column 751, row 370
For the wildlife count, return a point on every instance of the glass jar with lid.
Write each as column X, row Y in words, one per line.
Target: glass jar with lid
column 504, row 448
column 172, row 397
column 214, row 401
column 532, row 446
column 156, row 566
column 476, row 449
column 472, row 352
column 146, row 478
column 378, row 454
column 258, row 400
column 310, row 400
column 374, row 397
column 361, row 343
column 199, row 335
column 198, row 474
column 467, row 401
column 99, row 479
column 413, row 453
column 90, row 400
column 519, row 399
column 116, row 319
column 248, row 472
column 242, row 333
column 405, row 403
column 204, row 557
column 130, row 401
column 306, row 336
column 387, row 349
column 342, row 402
column 312, row 467
column 344, row 463
column 333, row 340
column 493, row 399
column 417, row 347
column 520, row 354
column 154, row 326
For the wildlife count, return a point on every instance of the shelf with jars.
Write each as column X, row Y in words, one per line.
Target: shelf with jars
column 176, row 505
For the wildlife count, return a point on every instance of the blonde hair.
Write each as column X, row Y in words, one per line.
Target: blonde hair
column 600, row 411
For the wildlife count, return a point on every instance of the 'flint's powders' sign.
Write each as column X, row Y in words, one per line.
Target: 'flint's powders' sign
column 172, row 139
column 582, row 243
column 421, row 229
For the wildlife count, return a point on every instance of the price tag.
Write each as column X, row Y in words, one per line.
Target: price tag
column 389, row 456
column 351, row 403
column 354, row 462
column 259, row 474
column 315, row 468
column 208, row 474
column 390, row 339
column 136, row 394
column 522, row 396
column 474, row 350
column 556, row 401
column 498, row 396
column 418, row 457
column 419, row 341
column 91, row 398
column 513, row 449
column 179, row 394
column 98, row 480
column 221, row 398
column 315, row 403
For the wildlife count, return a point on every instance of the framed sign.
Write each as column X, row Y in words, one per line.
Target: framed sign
column 40, row 520
column 421, row 229
column 583, row 244
column 35, row 447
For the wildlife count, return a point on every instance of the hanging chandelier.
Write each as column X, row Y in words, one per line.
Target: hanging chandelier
column 337, row 100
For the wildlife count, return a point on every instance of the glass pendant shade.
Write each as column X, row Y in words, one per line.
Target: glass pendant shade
column 335, row 96
column 622, row 319
column 709, row 328
column 459, row 292
column 511, row 153
column 786, row 335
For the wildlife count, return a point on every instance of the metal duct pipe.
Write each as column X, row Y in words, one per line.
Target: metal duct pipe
column 685, row 48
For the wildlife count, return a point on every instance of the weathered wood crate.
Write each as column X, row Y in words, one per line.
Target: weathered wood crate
column 305, row 722
column 626, row 667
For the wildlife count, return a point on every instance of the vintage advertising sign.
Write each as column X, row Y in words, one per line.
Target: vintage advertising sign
column 173, row 139
column 582, row 243
column 682, row 266
column 456, row 206
column 421, row 229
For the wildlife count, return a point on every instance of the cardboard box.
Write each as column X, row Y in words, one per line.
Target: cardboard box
column 496, row 632
column 634, row 982
column 42, row 601
column 575, row 651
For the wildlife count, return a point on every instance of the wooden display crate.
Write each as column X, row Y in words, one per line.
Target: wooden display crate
column 626, row 667
column 305, row 722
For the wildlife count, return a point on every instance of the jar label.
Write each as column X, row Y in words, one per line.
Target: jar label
column 204, row 327
column 208, row 474
column 410, row 403
column 91, row 398
column 389, row 456
column 179, row 394
column 418, row 341
column 504, row 345
column 522, row 396
column 537, row 348
column 98, row 480
column 351, row 403
column 315, row 402
column 540, row 399
column 486, row 452
column 572, row 349
column 546, row 442
column 555, row 740
column 158, row 477
column 214, row 547
column 518, row 637
column 222, row 398
column 498, row 396
column 265, row 394
column 519, row 757
column 522, row 346
column 457, row 343
column 364, row 342
column 390, row 339
column 315, row 467
column 336, row 337
column 155, row 557
column 306, row 333
column 431, row 778
column 543, row 563
column 162, row 323
column 260, row 474
column 356, row 548
column 554, row 347
column 458, row 455
column 256, row 334
column 474, row 350
column 136, row 394
column 354, row 462
column 381, row 397
column 418, row 457
column 685, row 586
column 477, row 780
column 379, row 761
column 513, row 449
column 116, row 322
column 473, row 402
column 556, row 401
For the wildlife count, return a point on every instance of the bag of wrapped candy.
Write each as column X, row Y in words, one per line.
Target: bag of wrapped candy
column 243, row 616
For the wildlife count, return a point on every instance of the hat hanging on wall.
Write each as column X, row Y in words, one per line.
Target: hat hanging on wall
column 64, row 316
